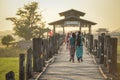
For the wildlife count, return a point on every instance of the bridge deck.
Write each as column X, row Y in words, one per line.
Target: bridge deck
column 62, row 69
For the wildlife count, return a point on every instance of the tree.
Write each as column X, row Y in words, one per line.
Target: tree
column 7, row 39
column 29, row 21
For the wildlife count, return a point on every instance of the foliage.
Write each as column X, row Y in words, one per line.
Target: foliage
column 29, row 22
column 11, row 51
column 42, row 31
column 7, row 39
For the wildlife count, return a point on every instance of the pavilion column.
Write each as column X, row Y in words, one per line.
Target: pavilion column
column 89, row 29
column 80, row 27
column 54, row 29
column 63, row 29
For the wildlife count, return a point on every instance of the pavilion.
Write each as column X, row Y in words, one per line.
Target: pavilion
column 102, row 30
column 72, row 17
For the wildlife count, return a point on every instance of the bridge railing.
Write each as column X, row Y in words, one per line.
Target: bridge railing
column 105, row 50
column 32, row 65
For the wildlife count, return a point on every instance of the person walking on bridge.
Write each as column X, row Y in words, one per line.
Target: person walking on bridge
column 67, row 37
column 72, row 47
column 79, row 47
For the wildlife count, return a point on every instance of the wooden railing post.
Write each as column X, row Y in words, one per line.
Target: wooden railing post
column 37, row 62
column 10, row 76
column 87, row 42
column 102, row 48
column 53, row 51
column 29, row 64
column 45, row 42
column 58, row 39
column 107, row 52
column 106, row 45
column 56, row 44
column 99, row 47
column 114, row 55
column 91, row 43
column 50, row 47
column 43, row 52
column 22, row 67
column 95, row 45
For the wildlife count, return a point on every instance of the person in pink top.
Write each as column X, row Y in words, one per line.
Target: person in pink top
column 67, row 40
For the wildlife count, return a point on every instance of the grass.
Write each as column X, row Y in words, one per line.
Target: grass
column 9, row 64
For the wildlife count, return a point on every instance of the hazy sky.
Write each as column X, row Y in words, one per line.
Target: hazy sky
column 106, row 13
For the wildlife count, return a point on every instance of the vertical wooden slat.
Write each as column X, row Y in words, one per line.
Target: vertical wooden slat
column 105, row 49
column 46, row 48
column 50, row 47
column 52, row 43
column 54, row 29
column 22, row 67
column 114, row 55
column 91, row 42
column 29, row 64
column 102, row 48
column 99, row 46
column 37, row 62
column 108, row 52
column 87, row 42
column 42, row 52
column 55, row 43
column 95, row 47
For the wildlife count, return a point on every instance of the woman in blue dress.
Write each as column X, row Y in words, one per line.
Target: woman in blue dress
column 72, row 47
column 79, row 47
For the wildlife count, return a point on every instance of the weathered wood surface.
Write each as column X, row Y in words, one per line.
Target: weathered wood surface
column 29, row 64
column 62, row 69
column 37, row 60
column 114, row 55
column 22, row 66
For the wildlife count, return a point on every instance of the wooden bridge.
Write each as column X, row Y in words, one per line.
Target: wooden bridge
column 49, row 60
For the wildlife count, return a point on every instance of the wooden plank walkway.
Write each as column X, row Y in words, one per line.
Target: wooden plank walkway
column 62, row 69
